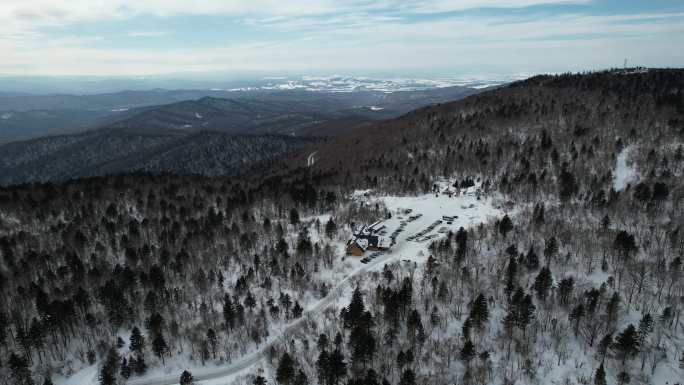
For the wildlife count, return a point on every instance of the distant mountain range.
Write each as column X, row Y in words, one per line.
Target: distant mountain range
column 25, row 117
column 209, row 132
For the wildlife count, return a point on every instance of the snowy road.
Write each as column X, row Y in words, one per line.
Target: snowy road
column 254, row 358
column 471, row 211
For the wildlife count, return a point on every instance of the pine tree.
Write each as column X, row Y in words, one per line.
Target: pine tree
column 137, row 341
column 627, row 343
column 567, row 185
column 543, row 282
column 213, row 341
column 576, row 316
column 531, row 260
column 228, row 312
column 479, row 313
column 186, row 378
column 110, row 368
column 300, row 378
column 550, row 249
column 600, row 375
column 605, row 344
column 511, row 276
column 160, row 347
column 140, row 366
column 323, row 367
column 612, row 309
column 565, row 288
column 467, row 352
column 330, row 228
column 645, row 326
column 505, row 226
column 338, row 366
column 355, row 309
column 408, row 377
column 625, row 244
column 294, row 216
column 285, row 372
column 19, row 370
column 125, row 370
column 623, row 378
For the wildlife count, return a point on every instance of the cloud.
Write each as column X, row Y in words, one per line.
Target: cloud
column 339, row 35
column 146, row 33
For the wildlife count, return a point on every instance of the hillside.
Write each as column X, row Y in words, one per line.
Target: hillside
column 534, row 234
column 115, row 151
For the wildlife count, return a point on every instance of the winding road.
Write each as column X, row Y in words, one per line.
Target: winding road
column 256, row 356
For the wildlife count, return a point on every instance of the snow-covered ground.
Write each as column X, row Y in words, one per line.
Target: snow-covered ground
column 467, row 208
column 624, row 173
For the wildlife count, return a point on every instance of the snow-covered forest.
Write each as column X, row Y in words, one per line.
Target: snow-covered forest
column 562, row 263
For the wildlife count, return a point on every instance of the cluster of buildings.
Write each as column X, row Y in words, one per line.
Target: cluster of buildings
column 368, row 238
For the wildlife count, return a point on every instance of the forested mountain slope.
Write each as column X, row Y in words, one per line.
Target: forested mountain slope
column 567, row 268
column 115, row 151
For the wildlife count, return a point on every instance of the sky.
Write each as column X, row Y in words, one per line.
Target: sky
column 411, row 37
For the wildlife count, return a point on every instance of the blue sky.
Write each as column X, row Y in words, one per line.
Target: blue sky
column 445, row 37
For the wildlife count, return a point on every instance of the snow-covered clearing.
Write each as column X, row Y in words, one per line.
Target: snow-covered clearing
column 467, row 209
column 624, row 173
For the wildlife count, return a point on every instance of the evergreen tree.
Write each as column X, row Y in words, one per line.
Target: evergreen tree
column 567, row 185
column 338, row 366
column 623, row 378
column 285, row 372
column 355, row 310
column 19, row 370
column 159, row 347
column 258, row 380
column 408, row 377
column 627, row 343
column 294, row 216
column 645, row 326
column 543, row 282
column 467, row 352
column 323, row 367
column 110, row 368
column 330, row 228
column 300, row 378
column 228, row 312
column 140, row 367
column 511, row 276
column 125, row 370
column 550, row 249
column 565, row 288
column 186, row 378
column 600, row 375
column 576, row 316
column 479, row 313
column 531, row 260
column 323, row 342
column 612, row 309
column 505, row 226
column 625, row 244
column 137, row 341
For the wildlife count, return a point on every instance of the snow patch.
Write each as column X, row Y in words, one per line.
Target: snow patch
column 624, row 174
